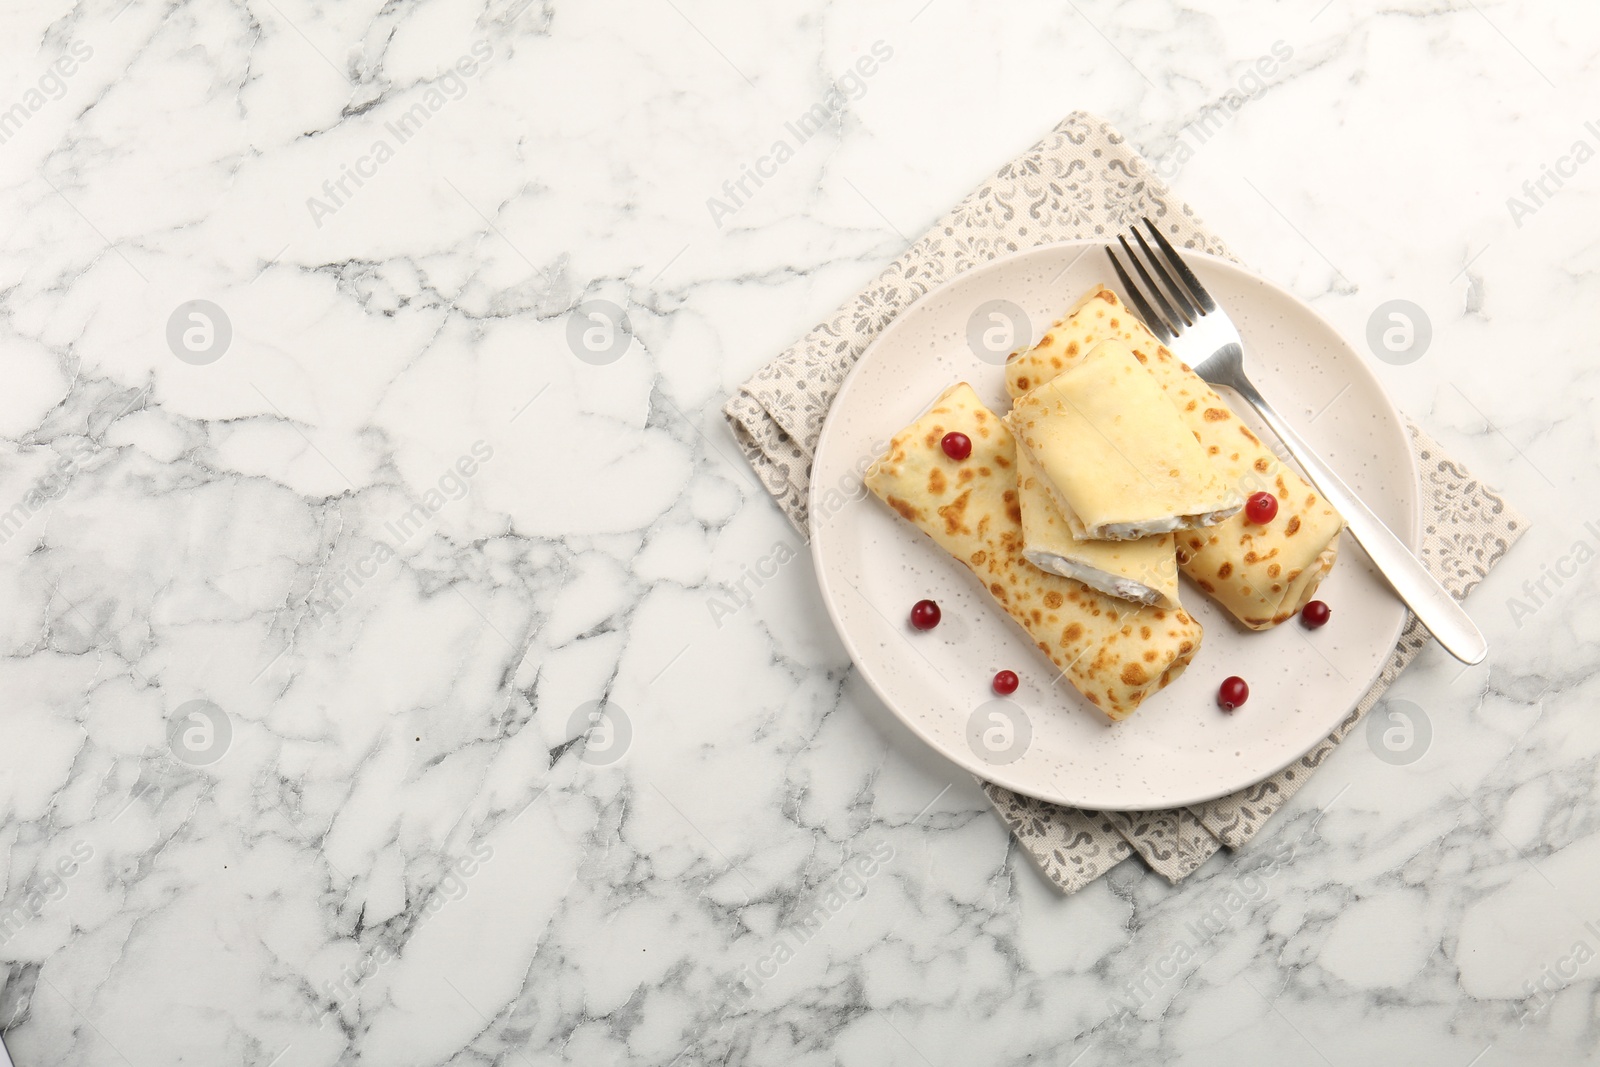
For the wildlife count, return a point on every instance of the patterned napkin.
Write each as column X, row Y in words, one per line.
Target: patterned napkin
column 1085, row 181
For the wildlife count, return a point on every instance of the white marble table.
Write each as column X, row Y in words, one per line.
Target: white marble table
column 373, row 514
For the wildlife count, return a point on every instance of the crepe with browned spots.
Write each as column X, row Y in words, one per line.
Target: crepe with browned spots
column 1145, row 570
column 1115, row 652
column 1263, row 574
column 1116, row 453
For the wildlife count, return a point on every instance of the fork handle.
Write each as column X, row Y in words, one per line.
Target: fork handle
column 1428, row 600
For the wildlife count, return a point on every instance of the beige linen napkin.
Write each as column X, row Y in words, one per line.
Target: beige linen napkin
column 1084, row 181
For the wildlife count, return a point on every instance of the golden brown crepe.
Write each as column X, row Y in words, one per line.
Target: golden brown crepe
column 1114, row 652
column 1116, row 451
column 1263, row 574
column 1145, row 570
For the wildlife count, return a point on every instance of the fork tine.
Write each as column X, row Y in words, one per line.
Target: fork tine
column 1190, row 311
column 1196, row 290
column 1177, row 319
column 1157, row 325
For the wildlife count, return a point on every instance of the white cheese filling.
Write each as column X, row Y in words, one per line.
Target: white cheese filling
column 1132, row 531
column 1110, row 584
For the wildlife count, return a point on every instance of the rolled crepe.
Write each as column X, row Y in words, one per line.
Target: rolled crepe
column 1263, row 574
column 1114, row 652
column 1116, row 451
column 1145, row 570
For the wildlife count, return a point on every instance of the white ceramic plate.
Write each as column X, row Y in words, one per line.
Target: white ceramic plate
column 1046, row 741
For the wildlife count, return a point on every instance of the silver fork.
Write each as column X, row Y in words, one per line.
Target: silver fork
column 1202, row 335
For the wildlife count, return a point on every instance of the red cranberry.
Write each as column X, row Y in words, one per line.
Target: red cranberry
column 924, row 615
column 1005, row 683
column 1314, row 614
column 1233, row 693
column 1261, row 508
column 957, row 446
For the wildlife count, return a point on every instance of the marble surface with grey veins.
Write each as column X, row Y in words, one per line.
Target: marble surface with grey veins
column 323, row 550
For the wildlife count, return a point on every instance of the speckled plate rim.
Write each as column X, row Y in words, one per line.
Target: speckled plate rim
column 1408, row 529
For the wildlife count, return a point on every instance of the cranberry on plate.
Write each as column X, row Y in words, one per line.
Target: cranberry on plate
column 1314, row 614
column 1233, row 693
column 1005, row 682
column 925, row 615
